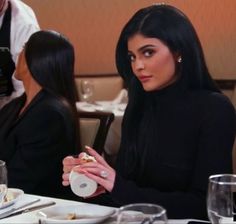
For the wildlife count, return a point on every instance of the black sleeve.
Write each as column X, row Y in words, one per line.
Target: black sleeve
column 41, row 144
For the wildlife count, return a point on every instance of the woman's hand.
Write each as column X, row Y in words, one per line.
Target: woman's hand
column 69, row 163
column 98, row 171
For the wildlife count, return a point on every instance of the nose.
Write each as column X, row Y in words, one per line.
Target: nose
column 138, row 65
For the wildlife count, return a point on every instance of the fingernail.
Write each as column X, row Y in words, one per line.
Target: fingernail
column 77, row 169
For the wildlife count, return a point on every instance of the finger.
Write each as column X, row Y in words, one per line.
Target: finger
column 69, row 160
column 67, row 169
column 94, row 167
column 81, row 155
column 103, row 182
column 98, row 157
column 65, row 177
column 85, row 169
column 92, row 151
column 93, row 170
column 65, row 183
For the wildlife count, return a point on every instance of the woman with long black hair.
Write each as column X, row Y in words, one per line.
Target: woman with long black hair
column 178, row 127
column 39, row 128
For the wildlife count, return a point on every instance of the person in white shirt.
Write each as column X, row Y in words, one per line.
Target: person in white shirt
column 17, row 23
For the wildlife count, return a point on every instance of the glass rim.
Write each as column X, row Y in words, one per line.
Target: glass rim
column 213, row 179
column 162, row 210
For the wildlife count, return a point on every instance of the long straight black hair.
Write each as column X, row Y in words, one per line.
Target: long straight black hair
column 50, row 59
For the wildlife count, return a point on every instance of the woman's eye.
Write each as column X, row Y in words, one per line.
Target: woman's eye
column 148, row 53
column 131, row 57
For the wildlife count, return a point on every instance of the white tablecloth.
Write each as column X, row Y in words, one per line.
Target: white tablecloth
column 31, row 217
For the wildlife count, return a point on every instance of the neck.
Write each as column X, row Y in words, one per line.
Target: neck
column 32, row 88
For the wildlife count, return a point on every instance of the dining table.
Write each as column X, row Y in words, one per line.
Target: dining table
column 32, row 217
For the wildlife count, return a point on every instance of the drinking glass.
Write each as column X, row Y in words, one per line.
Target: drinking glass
column 87, row 89
column 142, row 213
column 3, row 181
column 221, row 199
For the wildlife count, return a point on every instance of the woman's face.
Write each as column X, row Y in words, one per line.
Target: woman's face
column 152, row 62
column 21, row 67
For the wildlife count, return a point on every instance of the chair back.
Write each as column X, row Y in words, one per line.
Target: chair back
column 94, row 127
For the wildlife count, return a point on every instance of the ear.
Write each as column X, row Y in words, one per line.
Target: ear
column 178, row 57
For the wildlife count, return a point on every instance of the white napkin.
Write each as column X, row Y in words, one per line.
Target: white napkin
column 84, row 106
column 117, row 106
column 122, row 97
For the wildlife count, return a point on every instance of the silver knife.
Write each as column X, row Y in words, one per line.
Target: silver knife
column 30, row 209
column 7, row 213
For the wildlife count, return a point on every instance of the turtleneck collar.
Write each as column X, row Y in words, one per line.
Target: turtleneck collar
column 174, row 90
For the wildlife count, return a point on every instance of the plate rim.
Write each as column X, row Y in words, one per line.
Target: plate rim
column 83, row 220
column 9, row 203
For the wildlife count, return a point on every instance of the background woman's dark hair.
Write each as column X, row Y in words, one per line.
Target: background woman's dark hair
column 50, row 60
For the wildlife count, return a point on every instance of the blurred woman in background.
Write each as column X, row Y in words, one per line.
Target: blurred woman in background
column 39, row 128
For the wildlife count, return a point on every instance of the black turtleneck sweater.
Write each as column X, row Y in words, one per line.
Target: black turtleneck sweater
column 183, row 137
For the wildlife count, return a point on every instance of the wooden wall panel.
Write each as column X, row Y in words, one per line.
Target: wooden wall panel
column 93, row 26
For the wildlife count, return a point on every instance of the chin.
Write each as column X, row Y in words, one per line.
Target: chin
column 150, row 88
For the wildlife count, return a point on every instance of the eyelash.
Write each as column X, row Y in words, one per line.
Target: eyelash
column 147, row 54
column 131, row 57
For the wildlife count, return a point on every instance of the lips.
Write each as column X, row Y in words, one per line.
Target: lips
column 145, row 78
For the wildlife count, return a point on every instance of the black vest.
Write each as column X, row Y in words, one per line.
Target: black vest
column 7, row 65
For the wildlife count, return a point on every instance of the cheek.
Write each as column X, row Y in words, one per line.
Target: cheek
column 18, row 65
column 21, row 67
column 17, row 72
column 166, row 67
column 133, row 68
column 163, row 71
column 170, row 70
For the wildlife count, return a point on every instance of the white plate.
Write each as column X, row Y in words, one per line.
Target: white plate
column 104, row 103
column 121, row 106
column 16, row 194
column 83, row 106
column 105, row 106
column 85, row 213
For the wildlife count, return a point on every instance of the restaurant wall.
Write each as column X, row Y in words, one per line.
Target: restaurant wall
column 93, row 26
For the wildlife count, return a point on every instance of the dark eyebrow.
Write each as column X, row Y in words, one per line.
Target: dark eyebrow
column 144, row 47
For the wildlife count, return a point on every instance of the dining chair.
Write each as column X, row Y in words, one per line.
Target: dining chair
column 94, row 127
